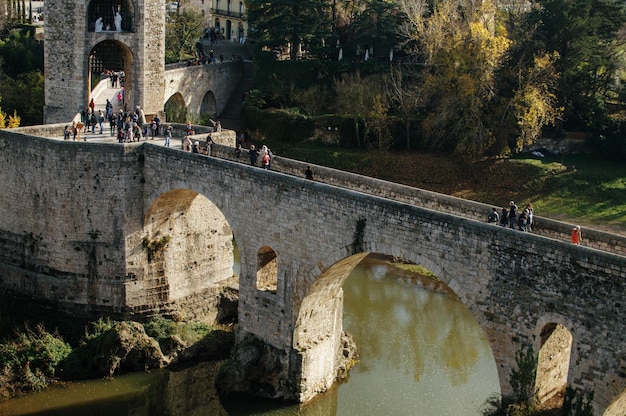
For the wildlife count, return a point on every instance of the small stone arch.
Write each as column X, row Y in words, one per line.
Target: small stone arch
column 176, row 109
column 209, row 104
column 267, row 269
column 554, row 342
column 106, row 9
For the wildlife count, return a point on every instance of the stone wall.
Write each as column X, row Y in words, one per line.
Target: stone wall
column 543, row 226
column 83, row 247
column 193, row 83
column 75, row 214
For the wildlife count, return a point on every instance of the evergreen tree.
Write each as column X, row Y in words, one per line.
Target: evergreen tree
column 288, row 24
column 584, row 33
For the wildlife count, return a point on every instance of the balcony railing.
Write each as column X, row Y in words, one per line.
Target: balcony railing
column 228, row 13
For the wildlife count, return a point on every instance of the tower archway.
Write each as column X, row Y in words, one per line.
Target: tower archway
column 110, row 56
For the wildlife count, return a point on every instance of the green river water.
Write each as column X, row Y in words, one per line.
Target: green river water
column 421, row 353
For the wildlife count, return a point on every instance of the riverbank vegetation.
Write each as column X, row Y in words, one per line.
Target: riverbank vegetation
column 451, row 97
column 48, row 349
column 455, row 77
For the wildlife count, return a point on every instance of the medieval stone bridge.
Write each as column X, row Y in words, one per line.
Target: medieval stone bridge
column 139, row 229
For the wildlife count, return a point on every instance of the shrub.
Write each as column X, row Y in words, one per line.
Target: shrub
column 94, row 329
column 29, row 361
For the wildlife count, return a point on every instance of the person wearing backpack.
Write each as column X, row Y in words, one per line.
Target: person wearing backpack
column 522, row 221
column 493, row 216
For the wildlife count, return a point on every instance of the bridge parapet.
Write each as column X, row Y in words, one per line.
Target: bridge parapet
column 546, row 227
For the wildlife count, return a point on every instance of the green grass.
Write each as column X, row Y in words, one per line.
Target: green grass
column 593, row 193
column 580, row 188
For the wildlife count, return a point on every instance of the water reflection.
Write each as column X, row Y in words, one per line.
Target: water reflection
column 422, row 353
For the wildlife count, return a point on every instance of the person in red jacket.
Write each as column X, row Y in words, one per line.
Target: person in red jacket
column 577, row 236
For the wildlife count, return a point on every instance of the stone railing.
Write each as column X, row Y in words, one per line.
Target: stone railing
column 224, row 148
column 558, row 230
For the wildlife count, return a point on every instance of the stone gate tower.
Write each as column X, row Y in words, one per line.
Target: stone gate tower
column 129, row 37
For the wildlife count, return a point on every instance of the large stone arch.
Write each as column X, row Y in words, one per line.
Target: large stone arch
column 111, row 55
column 182, row 256
column 318, row 326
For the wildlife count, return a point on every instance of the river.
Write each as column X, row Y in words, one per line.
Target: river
column 421, row 353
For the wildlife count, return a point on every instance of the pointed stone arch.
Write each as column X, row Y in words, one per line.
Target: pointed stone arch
column 209, row 104
column 111, row 55
column 176, row 109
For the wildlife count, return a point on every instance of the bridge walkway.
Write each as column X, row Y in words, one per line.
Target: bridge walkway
column 473, row 210
column 104, row 91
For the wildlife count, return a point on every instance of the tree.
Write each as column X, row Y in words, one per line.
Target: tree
column 586, row 36
column 461, row 53
column 20, row 52
column 372, row 25
column 469, row 100
column 377, row 117
column 286, row 24
column 364, row 101
column 404, row 98
column 182, row 32
column 8, row 121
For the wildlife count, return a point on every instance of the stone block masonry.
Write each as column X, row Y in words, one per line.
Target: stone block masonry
column 75, row 215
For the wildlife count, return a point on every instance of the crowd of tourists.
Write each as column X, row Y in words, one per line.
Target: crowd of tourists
column 509, row 217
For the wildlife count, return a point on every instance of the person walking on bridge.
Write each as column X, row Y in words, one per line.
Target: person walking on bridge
column 512, row 214
column 577, row 236
column 254, row 155
column 168, row 136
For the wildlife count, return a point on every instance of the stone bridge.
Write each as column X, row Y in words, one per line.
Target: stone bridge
column 138, row 229
column 202, row 89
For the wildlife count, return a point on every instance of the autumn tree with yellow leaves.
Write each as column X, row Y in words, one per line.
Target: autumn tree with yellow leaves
column 10, row 121
column 470, row 104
